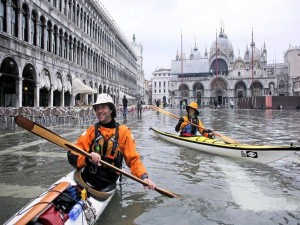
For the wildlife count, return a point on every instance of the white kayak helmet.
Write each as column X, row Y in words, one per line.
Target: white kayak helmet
column 106, row 99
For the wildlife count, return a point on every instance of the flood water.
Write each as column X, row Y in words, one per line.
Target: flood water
column 213, row 189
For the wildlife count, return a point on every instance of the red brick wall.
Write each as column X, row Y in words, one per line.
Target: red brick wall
column 273, row 102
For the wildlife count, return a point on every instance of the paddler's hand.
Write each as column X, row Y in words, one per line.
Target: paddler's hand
column 151, row 184
column 95, row 158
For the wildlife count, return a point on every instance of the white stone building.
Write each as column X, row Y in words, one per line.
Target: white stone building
column 57, row 53
column 219, row 76
column 160, row 85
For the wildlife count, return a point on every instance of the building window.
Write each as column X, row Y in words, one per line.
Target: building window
column 14, row 18
column 65, row 45
column 60, row 44
column 239, row 73
column 3, row 15
column 33, row 29
column 54, row 40
column 281, row 85
column 41, row 33
column 60, row 5
column 24, row 23
column 48, row 36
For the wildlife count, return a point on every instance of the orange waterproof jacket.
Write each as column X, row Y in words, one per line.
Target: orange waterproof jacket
column 126, row 145
column 200, row 128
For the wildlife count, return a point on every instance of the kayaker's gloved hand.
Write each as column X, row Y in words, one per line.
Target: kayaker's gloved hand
column 181, row 120
column 211, row 135
column 207, row 131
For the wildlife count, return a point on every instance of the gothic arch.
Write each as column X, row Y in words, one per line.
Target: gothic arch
column 256, row 89
column 240, row 89
column 184, row 90
column 9, row 73
column 221, row 67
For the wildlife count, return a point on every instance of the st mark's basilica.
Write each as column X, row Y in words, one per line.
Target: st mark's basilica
column 219, row 75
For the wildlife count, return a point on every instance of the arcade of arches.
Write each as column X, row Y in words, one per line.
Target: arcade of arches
column 219, row 91
column 28, row 88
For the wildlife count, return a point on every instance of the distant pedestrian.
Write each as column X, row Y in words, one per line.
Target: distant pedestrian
column 216, row 104
column 157, row 103
column 231, row 104
column 183, row 105
column 125, row 105
column 139, row 108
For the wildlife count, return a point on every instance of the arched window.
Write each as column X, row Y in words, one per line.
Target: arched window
column 3, row 15
column 74, row 11
column 70, row 48
column 78, row 53
column 65, row 7
column 281, row 85
column 49, row 36
column 14, row 18
column 24, row 23
column 54, row 40
column 78, row 16
column 81, row 18
column 69, row 5
column 84, row 19
column 65, row 45
column 41, row 33
column 87, row 24
column 60, row 43
column 33, row 28
column 60, row 5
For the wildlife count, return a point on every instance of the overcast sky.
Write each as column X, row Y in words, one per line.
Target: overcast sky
column 157, row 25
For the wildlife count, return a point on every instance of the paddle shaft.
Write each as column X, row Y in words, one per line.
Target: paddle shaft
column 224, row 138
column 49, row 135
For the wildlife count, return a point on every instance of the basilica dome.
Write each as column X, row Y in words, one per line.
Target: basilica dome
column 195, row 54
column 256, row 53
column 223, row 44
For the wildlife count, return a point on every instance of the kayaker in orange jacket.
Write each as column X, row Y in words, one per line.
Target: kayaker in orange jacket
column 186, row 129
column 110, row 142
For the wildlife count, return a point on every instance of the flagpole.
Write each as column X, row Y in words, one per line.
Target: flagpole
column 217, row 54
column 181, row 66
column 252, row 45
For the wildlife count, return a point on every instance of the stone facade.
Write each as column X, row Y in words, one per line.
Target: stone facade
column 219, row 76
column 45, row 45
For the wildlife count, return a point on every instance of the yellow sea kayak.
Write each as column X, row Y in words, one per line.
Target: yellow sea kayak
column 255, row 153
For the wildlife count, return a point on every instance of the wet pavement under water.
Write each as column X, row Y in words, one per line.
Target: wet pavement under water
column 214, row 189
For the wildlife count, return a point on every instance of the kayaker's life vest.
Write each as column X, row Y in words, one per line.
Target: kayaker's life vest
column 108, row 149
column 190, row 130
column 100, row 176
